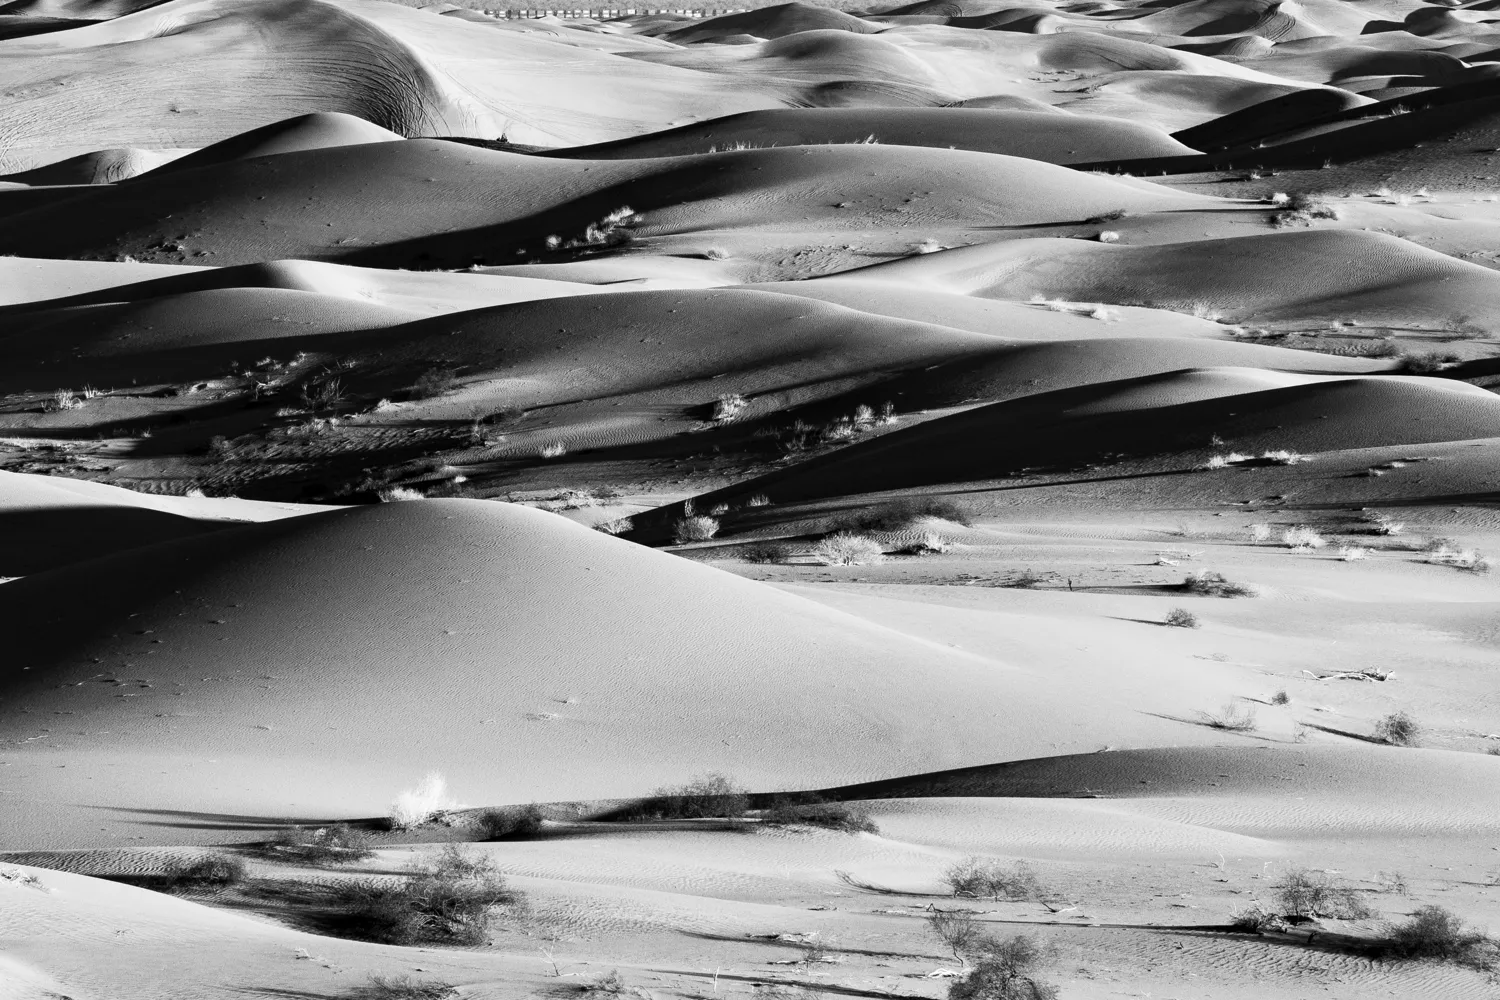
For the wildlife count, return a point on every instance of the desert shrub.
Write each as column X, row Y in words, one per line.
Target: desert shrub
column 211, row 872
column 1426, row 363
column 394, row 494
column 1232, row 717
column 1181, row 618
column 811, row 810
column 556, row 449
column 1209, row 584
column 930, row 541
column 1281, row 697
column 416, row 806
column 323, row 393
column 847, row 549
column 497, row 824
column 1302, row 539
column 708, row 796
column 1251, row 920
column 1431, row 933
column 1259, row 532
column 1353, row 553
column 957, row 929
column 1282, row 456
column 404, row 987
column 694, row 528
column 449, row 902
column 1004, row 969
column 1300, row 210
column 728, row 408
column 618, row 526
column 974, row 876
column 335, row 844
column 1398, row 729
column 758, row 500
column 432, row 382
column 63, row 399
column 766, row 552
column 611, row 983
column 1382, row 524
column 1315, row 894
column 907, row 512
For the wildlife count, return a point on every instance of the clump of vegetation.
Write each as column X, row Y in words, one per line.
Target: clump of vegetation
column 694, row 528
column 432, row 383
column 404, row 987
column 1252, row 920
column 1427, row 363
column 1302, row 539
column 449, row 901
column 1004, row 969
column 1315, row 894
column 336, row 844
column 1281, row 697
column 1209, row 584
column 1447, row 552
column 63, row 399
column 416, row 806
column 810, row 809
column 929, row 542
column 957, row 929
column 1433, row 934
column 515, row 824
column 212, row 872
column 1231, row 717
column 1398, row 729
column 1181, row 618
column 1383, row 524
column 395, row 494
column 766, row 552
column 1259, row 532
column 845, row 548
column 708, row 796
column 728, row 408
column 898, row 515
column 618, row 526
column 556, row 449
column 1300, row 210
column 976, row 877
column 1353, row 553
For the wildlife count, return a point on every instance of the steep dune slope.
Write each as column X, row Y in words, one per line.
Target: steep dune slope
column 462, row 635
column 458, row 205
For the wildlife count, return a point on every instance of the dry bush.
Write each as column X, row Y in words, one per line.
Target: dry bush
column 1281, row 698
column 898, row 515
column 957, row 929
column 1252, row 920
column 416, row 806
column 1231, row 717
column 404, row 987
column 811, row 810
column 394, row 494
column 1433, row 934
column 1181, row 618
column 336, row 844
column 1382, row 524
column 975, row 876
column 63, row 399
column 212, row 872
column 1210, row 584
column 930, row 542
column 432, row 382
column 708, row 796
column 758, row 500
column 1315, row 894
column 766, row 552
column 516, row 824
column 1282, row 456
column 1427, row 363
column 1353, row 553
column 447, row 902
column 694, row 528
column 1004, row 969
column 1259, row 532
column 728, row 408
column 1398, row 729
column 1300, row 210
column 847, row 549
column 618, row 526
column 556, row 449
column 1302, row 539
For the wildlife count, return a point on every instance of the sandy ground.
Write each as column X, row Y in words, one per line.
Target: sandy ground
column 1056, row 308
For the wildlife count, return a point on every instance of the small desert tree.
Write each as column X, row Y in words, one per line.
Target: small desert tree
column 1004, row 969
column 957, row 929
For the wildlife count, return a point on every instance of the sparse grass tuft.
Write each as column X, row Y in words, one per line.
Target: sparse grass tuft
column 845, row 548
column 1231, row 717
column 394, row 494
column 1398, row 729
column 728, row 408
column 63, row 399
